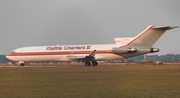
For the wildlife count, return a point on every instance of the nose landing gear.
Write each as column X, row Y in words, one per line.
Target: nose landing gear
column 22, row 64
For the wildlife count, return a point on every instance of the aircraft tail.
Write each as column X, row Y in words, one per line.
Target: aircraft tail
column 149, row 36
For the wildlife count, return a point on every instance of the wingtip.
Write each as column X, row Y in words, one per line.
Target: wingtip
column 176, row 26
column 173, row 27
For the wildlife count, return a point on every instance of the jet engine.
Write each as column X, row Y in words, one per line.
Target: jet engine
column 121, row 50
column 152, row 50
column 133, row 50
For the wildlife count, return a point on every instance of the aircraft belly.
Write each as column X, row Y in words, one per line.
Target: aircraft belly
column 107, row 57
column 38, row 58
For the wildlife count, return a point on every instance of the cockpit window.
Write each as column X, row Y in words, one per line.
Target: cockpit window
column 13, row 52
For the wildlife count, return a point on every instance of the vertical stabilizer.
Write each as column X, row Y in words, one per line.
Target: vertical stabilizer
column 149, row 36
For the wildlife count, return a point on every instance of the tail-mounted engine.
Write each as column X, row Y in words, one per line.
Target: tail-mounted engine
column 133, row 50
column 152, row 50
column 121, row 50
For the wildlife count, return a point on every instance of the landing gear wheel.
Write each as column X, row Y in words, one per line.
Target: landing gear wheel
column 94, row 63
column 22, row 64
column 87, row 63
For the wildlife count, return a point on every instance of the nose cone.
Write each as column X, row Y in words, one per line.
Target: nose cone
column 11, row 56
column 8, row 56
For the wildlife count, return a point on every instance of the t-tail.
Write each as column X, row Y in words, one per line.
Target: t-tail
column 142, row 43
column 149, row 36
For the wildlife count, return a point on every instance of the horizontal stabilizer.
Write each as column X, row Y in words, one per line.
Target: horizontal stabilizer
column 164, row 27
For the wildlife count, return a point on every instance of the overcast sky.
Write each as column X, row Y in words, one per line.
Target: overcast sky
column 50, row 22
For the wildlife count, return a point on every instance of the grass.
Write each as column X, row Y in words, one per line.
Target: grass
column 103, row 81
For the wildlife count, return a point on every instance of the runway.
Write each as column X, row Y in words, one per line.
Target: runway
column 1, row 66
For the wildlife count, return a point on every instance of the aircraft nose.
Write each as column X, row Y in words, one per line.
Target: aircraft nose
column 8, row 56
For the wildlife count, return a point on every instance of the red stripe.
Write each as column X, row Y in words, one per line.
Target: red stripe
column 62, row 53
column 57, row 53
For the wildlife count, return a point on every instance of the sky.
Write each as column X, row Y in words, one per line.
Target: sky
column 50, row 22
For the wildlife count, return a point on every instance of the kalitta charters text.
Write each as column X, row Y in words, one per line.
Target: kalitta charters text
column 68, row 47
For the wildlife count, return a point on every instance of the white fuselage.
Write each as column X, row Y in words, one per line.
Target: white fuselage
column 63, row 53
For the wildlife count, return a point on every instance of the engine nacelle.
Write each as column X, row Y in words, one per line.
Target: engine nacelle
column 150, row 50
column 133, row 50
column 120, row 50
column 154, row 50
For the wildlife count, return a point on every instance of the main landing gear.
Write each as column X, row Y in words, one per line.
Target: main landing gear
column 88, row 63
column 22, row 64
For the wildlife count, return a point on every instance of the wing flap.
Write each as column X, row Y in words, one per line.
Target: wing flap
column 71, row 57
column 92, row 53
column 89, row 57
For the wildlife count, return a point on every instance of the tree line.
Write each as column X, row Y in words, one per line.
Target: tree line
column 153, row 58
column 3, row 59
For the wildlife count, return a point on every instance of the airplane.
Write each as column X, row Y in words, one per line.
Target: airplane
column 91, row 54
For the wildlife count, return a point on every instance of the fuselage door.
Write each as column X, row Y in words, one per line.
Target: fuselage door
column 21, row 52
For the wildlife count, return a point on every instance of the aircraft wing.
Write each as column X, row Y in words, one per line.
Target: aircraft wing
column 89, row 57
column 92, row 53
